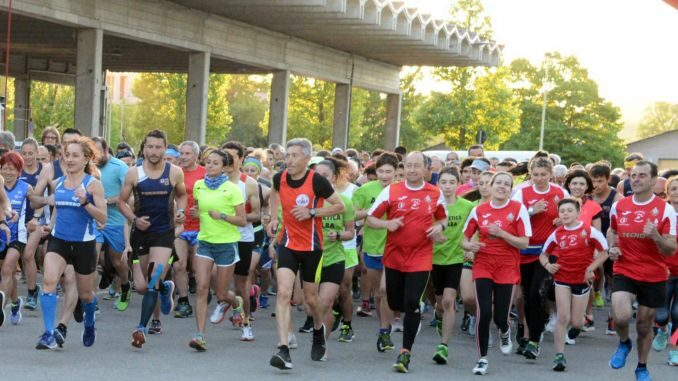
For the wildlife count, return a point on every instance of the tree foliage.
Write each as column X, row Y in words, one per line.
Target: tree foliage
column 311, row 110
column 658, row 118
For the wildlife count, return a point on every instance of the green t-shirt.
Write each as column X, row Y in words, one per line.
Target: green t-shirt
column 223, row 200
column 374, row 240
column 450, row 251
column 333, row 251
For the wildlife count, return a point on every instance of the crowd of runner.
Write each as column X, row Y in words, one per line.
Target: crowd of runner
column 530, row 246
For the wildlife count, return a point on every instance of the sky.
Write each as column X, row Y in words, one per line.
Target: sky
column 630, row 47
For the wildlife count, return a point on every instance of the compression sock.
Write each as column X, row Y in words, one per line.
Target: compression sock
column 125, row 287
column 48, row 303
column 89, row 309
column 147, row 306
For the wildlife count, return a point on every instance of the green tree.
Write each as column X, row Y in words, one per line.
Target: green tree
column 580, row 124
column 658, row 118
column 248, row 104
column 311, row 110
column 51, row 105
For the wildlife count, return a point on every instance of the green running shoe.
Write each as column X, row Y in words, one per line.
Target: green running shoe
column 440, row 357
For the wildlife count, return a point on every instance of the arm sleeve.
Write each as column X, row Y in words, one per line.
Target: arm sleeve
column 613, row 216
column 523, row 222
column 598, row 240
column 321, row 187
column 381, row 204
column 471, row 224
column 518, row 196
column 550, row 244
column 276, row 181
column 441, row 208
column 668, row 225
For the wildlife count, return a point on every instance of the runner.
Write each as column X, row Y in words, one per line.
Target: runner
column 220, row 207
column 630, row 161
column 187, row 242
column 17, row 192
column 250, row 192
column 78, row 202
column 157, row 186
column 541, row 200
column 569, row 256
column 642, row 231
column 504, row 229
column 416, row 215
column 448, row 258
column 302, row 194
column 112, row 237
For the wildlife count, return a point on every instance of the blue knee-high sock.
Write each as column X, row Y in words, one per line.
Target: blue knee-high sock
column 48, row 303
column 90, row 309
column 147, row 306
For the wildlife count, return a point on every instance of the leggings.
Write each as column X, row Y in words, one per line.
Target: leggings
column 670, row 304
column 404, row 292
column 486, row 292
column 532, row 278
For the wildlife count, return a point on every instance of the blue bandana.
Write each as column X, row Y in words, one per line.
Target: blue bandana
column 215, row 182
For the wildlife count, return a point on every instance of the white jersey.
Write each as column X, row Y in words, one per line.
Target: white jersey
column 348, row 192
column 247, row 231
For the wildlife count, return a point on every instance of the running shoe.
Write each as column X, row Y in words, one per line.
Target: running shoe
column 46, row 341
column 397, row 325
column 15, row 309
column 346, row 335
column 559, row 363
column 481, row 367
column 183, row 310
column 531, row 351
column 661, row 339
column 112, row 293
column 263, row 301
column 319, row 347
column 308, row 325
column 598, row 300
column 60, row 334
column 139, row 337
column 551, row 325
column 506, row 345
column 522, row 343
column 282, row 360
column 32, row 299
column 440, row 356
column 198, row 343
column 2, row 308
column 292, row 341
column 155, row 328
column 167, row 298
column 219, row 313
column 610, row 327
column 465, row 322
column 673, row 358
column 122, row 302
column 384, row 342
column 589, row 325
column 642, row 374
column 337, row 320
column 569, row 340
column 78, row 313
column 618, row 359
column 247, row 333
column 236, row 316
column 402, row 363
column 365, row 310
column 89, row 334
column 472, row 325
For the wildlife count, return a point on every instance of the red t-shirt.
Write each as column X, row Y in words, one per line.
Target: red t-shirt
column 498, row 260
column 640, row 258
column 590, row 211
column 575, row 248
column 190, row 177
column 408, row 249
column 542, row 223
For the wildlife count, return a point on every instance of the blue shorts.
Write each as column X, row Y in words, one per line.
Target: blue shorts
column 190, row 237
column 222, row 254
column 373, row 262
column 113, row 237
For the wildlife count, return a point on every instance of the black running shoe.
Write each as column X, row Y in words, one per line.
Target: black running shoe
column 282, row 360
column 60, row 334
column 308, row 325
column 465, row 322
column 319, row 348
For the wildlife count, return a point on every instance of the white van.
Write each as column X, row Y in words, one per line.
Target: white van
column 501, row 155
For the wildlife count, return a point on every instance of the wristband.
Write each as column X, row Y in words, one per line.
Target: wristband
column 84, row 204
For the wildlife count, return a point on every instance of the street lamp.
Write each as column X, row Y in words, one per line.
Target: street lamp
column 545, row 89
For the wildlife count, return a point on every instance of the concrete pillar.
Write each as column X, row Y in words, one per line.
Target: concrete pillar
column 342, row 107
column 89, row 81
column 277, row 115
column 197, row 89
column 21, row 106
column 392, row 134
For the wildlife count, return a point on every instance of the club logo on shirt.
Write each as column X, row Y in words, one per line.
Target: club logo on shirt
column 401, row 205
column 640, row 216
column 583, row 234
column 556, row 199
column 164, row 181
column 486, row 215
column 510, row 217
column 415, row 203
column 302, row 200
column 428, row 199
column 655, row 211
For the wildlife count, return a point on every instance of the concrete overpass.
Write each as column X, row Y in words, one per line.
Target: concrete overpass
column 361, row 43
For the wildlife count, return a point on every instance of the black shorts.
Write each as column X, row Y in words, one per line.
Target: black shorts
column 308, row 262
column 333, row 273
column 18, row 246
column 446, row 276
column 242, row 268
column 259, row 238
column 647, row 294
column 607, row 266
column 81, row 255
column 575, row 289
column 142, row 242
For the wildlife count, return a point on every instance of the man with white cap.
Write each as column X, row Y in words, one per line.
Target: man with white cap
column 478, row 166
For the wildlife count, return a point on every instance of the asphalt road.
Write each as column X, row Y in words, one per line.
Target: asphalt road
column 168, row 357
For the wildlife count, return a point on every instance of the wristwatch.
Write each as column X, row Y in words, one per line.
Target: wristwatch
column 530, row 210
column 312, row 212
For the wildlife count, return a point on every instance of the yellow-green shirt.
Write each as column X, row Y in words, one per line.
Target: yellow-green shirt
column 223, row 200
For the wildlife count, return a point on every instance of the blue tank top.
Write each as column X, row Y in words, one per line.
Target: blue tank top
column 18, row 199
column 32, row 180
column 57, row 170
column 73, row 222
column 155, row 198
